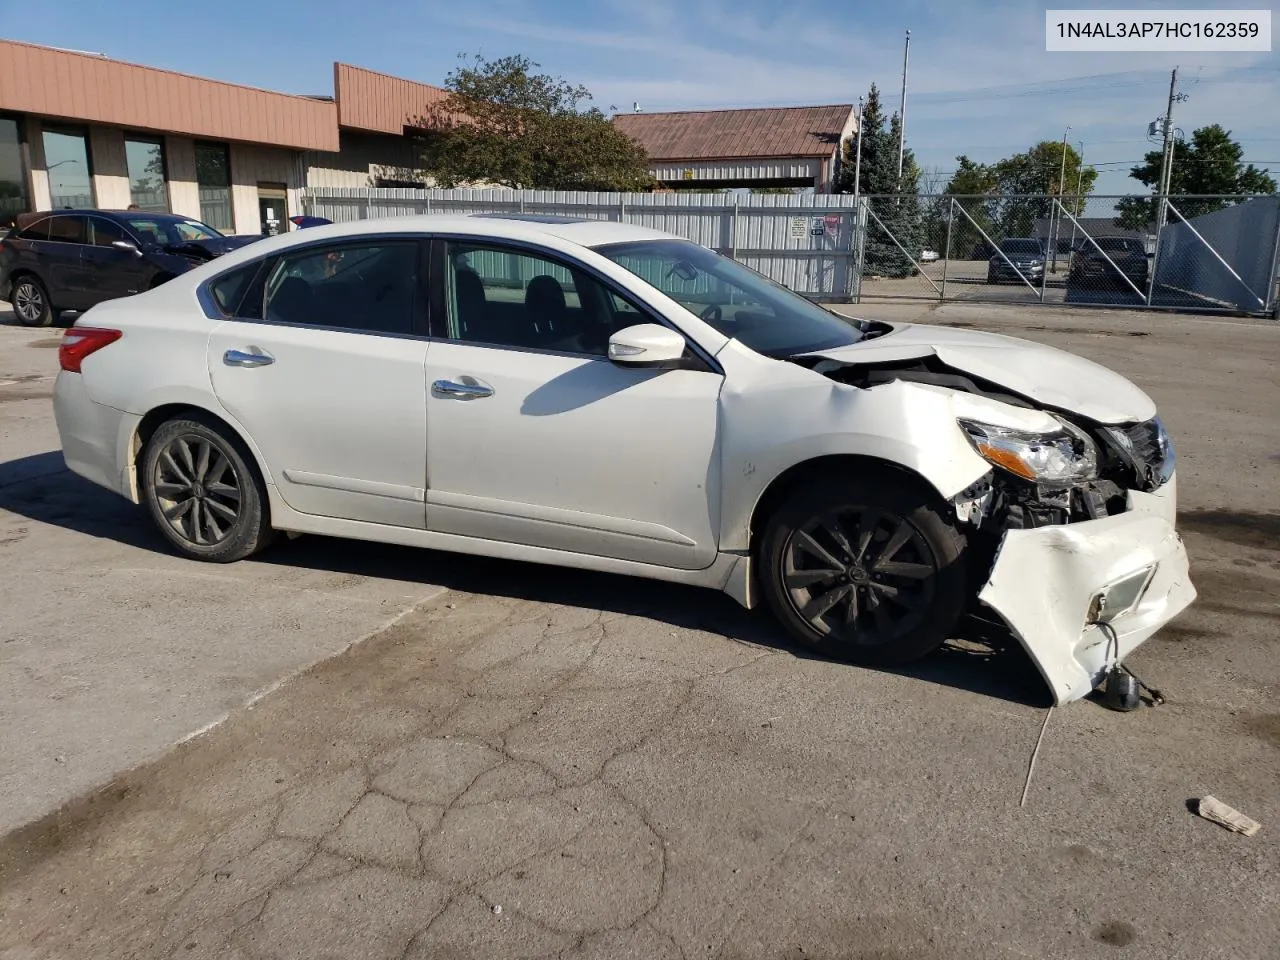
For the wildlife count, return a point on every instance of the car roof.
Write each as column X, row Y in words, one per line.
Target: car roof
column 95, row 211
column 579, row 233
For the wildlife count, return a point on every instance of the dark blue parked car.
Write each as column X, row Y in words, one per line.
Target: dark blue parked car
column 74, row 259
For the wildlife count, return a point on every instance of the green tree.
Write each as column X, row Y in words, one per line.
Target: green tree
column 1205, row 168
column 896, row 203
column 503, row 123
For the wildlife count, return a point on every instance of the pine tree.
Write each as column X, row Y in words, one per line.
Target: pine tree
column 896, row 204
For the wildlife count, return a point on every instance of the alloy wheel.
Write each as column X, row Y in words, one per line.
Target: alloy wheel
column 28, row 302
column 859, row 576
column 198, row 489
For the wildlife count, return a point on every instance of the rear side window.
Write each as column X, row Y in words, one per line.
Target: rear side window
column 68, row 229
column 37, row 231
column 368, row 288
column 229, row 292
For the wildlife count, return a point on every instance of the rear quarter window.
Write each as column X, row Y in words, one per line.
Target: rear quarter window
column 229, row 291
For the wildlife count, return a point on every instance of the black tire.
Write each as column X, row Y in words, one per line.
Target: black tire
column 991, row 278
column 225, row 516
column 30, row 300
column 909, row 584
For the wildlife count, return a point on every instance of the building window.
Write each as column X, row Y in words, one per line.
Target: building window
column 145, row 160
column 213, row 177
column 13, row 173
column 66, row 158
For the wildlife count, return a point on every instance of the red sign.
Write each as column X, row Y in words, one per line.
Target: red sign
column 833, row 220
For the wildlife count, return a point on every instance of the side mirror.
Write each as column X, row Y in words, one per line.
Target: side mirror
column 647, row 345
column 126, row 245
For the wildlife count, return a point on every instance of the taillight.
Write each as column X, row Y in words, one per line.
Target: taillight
column 79, row 342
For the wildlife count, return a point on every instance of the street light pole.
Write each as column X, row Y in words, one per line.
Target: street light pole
column 1166, row 168
column 902, row 110
column 1056, row 219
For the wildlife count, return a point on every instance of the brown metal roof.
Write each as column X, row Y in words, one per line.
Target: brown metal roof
column 373, row 101
column 721, row 134
column 80, row 86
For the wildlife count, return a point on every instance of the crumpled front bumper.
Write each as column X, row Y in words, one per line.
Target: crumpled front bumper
column 1044, row 581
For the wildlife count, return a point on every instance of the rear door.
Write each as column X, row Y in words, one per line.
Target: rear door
column 324, row 365
column 108, row 271
column 62, row 255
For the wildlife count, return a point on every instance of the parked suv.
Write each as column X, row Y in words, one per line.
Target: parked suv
column 1125, row 257
column 1023, row 259
column 74, row 259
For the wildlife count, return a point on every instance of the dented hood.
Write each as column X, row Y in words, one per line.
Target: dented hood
column 1044, row 374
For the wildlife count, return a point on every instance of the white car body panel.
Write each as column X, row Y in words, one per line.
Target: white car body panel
column 575, row 454
column 340, row 416
column 1069, row 564
column 580, row 462
column 1051, row 376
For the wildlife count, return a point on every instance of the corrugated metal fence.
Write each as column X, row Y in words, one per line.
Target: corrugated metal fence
column 805, row 242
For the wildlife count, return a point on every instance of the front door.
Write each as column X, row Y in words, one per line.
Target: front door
column 535, row 437
column 325, row 370
column 273, row 214
column 110, row 272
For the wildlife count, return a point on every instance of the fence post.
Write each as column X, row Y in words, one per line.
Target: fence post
column 733, row 232
column 1053, row 235
column 1155, row 253
column 946, row 250
column 622, row 208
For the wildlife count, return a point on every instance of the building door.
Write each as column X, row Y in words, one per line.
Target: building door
column 273, row 208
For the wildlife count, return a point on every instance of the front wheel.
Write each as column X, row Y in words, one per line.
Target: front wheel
column 863, row 570
column 203, row 491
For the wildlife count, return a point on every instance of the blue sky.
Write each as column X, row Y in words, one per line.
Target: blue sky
column 981, row 82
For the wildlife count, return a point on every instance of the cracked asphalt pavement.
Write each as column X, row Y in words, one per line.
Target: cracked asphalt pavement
column 548, row 763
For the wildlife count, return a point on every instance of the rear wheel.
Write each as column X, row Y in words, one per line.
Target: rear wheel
column 863, row 570
column 31, row 303
column 204, row 492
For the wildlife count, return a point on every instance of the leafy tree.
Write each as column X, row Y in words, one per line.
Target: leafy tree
column 896, row 204
column 1209, row 164
column 503, row 123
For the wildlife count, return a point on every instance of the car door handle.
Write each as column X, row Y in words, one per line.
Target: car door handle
column 461, row 391
column 242, row 358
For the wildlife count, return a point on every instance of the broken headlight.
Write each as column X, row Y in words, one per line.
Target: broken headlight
column 1061, row 456
column 1149, row 450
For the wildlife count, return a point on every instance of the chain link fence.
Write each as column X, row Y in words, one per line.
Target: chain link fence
column 1214, row 253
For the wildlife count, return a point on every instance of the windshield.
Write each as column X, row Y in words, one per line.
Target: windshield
column 166, row 230
column 1021, row 246
column 735, row 300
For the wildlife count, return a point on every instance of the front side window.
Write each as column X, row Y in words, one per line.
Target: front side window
column 68, row 229
column 13, row 173
column 735, row 300
column 513, row 298
column 66, row 158
column 213, row 178
column 371, row 288
column 103, row 233
column 145, row 162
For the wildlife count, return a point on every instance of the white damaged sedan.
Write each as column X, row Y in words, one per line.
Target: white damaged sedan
column 609, row 397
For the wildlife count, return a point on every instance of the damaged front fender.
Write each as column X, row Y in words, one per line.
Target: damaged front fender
column 1082, row 596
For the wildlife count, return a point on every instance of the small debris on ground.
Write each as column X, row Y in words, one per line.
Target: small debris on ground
column 1211, row 808
column 497, row 909
column 59, row 759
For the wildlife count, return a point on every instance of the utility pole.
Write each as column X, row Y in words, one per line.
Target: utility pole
column 1166, row 168
column 902, row 110
column 857, row 157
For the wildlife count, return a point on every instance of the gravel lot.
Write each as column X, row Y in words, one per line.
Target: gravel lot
column 550, row 763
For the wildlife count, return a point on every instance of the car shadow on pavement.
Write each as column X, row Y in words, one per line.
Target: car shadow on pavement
column 982, row 659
